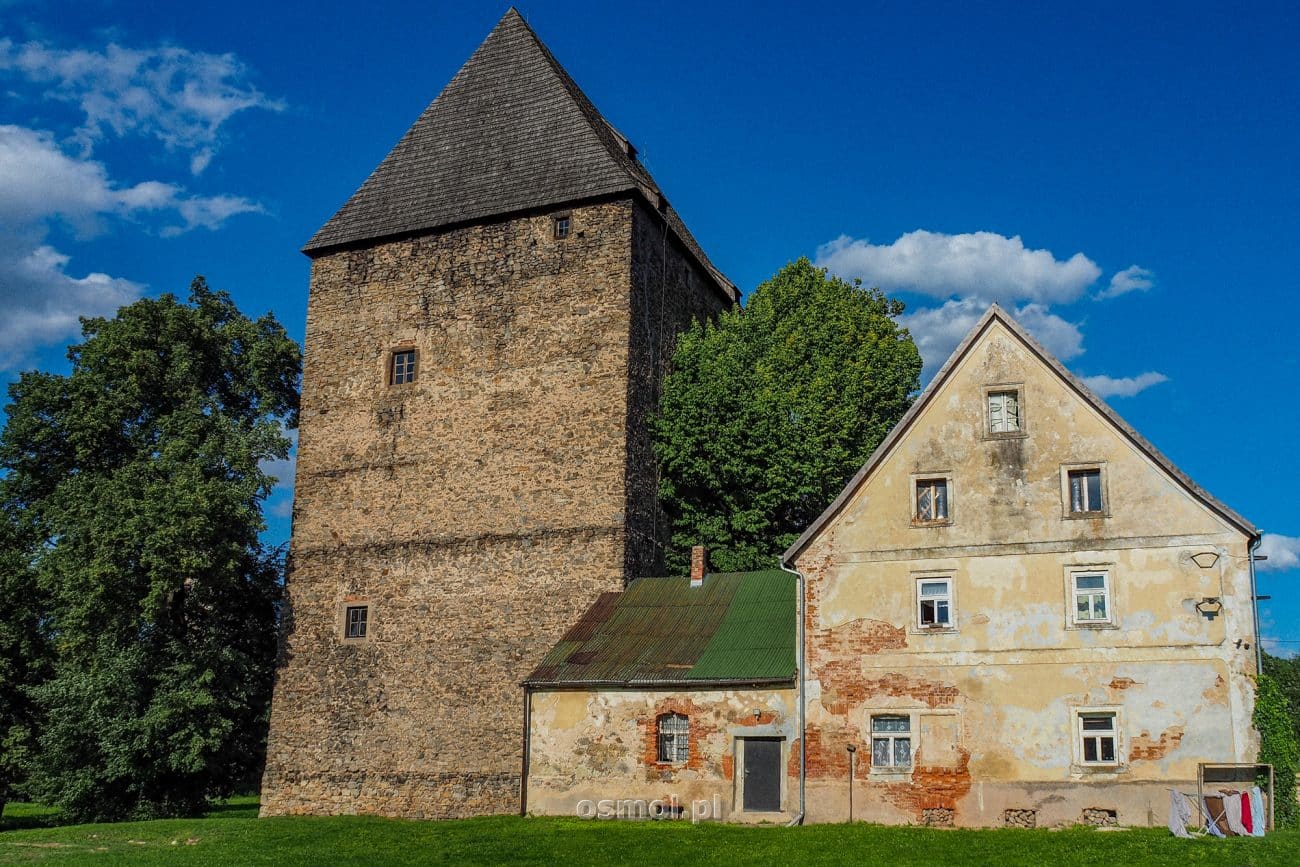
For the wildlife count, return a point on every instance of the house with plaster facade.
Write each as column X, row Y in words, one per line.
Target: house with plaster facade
column 1017, row 613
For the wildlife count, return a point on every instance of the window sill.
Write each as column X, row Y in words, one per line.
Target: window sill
column 1009, row 435
column 1093, row 626
column 889, row 773
column 933, row 630
column 1103, row 771
column 1085, row 516
column 919, row 523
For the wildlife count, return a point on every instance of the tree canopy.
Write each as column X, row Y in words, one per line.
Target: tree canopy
column 135, row 485
column 770, row 410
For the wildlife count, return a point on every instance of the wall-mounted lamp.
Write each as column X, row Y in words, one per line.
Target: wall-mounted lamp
column 1209, row 607
column 1205, row 559
column 758, row 714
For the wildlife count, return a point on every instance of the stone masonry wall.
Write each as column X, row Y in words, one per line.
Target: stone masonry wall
column 668, row 290
column 477, row 511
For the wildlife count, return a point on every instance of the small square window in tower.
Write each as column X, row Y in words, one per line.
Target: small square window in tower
column 1085, row 491
column 1004, row 412
column 674, row 736
column 931, row 500
column 355, row 621
column 402, row 368
column 562, row 226
column 891, row 741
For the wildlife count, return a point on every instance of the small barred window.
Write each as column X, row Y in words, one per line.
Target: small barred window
column 674, row 738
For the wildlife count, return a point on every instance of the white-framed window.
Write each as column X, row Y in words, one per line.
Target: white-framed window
column 932, row 501
column 563, row 226
column 1004, row 410
column 1098, row 737
column 674, row 735
column 934, row 602
column 891, row 741
column 1090, row 597
column 1085, row 491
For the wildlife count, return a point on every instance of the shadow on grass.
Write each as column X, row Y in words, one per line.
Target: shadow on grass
column 20, row 816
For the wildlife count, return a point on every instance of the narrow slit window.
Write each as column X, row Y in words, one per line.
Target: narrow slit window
column 1004, row 411
column 891, row 741
column 403, row 367
column 674, row 734
column 934, row 602
column 932, row 500
column 1097, row 733
column 1085, row 491
column 355, row 621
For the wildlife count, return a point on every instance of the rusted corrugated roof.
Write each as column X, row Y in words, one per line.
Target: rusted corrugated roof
column 736, row 628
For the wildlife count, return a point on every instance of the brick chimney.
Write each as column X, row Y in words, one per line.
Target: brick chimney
column 699, row 562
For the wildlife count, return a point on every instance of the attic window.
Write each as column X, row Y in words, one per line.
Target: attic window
column 1004, row 411
column 1085, row 492
column 562, row 227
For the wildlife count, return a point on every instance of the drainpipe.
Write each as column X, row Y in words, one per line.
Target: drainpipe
column 803, row 733
column 1254, row 602
column 523, row 775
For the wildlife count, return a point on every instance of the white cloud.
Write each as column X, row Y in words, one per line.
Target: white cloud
column 1108, row 386
column 1131, row 279
column 938, row 330
column 986, row 265
column 177, row 96
column 39, row 181
column 1283, row 552
column 40, row 300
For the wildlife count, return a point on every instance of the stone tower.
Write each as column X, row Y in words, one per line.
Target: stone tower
column 489, row 320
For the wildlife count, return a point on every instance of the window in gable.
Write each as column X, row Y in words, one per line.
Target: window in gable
column 931, row 501
column 1004, row 411
column 934, row 602
column 1091, row 596
column 562, row 227
column 1085, row 491
column 674, row 734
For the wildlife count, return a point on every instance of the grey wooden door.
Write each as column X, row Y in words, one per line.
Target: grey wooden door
column 762, row 774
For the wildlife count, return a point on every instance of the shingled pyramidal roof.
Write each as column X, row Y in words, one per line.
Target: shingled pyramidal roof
column 512, row 132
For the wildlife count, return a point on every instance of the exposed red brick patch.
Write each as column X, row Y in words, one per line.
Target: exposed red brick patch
column 844, row 687
column 1146, row 749
column 931, row 788
column 1122, row 682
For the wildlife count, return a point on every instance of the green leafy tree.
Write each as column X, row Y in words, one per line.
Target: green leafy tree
column 1285, row 670
column 769, row 411
column 139, row 474
column 24, row 653
column 1278, row 747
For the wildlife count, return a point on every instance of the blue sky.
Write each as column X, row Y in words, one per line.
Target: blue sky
column 1123, row 177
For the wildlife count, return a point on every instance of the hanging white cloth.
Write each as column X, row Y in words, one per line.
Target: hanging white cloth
column 1180, row 813
column 1232, row 812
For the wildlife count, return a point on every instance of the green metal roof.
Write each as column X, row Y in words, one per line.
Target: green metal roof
column 736, row 628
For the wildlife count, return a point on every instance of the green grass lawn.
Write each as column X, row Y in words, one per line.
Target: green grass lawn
column 233, row 834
